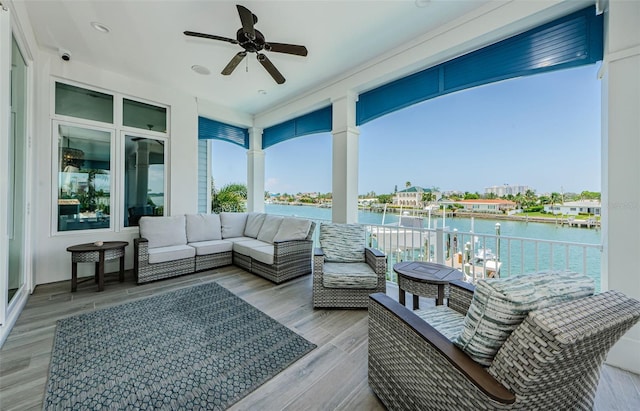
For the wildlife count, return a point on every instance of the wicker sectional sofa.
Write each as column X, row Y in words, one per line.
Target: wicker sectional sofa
column 274, row 247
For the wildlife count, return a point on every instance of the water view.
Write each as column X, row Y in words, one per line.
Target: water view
column 524, row 246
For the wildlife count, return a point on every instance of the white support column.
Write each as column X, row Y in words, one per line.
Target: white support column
column 255, row 171
column 620, row 166
column 345, row 160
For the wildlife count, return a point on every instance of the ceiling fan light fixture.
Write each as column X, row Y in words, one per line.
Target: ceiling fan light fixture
column 100, row 27
column 200, row 69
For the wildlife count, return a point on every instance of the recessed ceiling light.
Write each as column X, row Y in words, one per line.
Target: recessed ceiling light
column 263, row 92
column 200, row 69
column 100, row 27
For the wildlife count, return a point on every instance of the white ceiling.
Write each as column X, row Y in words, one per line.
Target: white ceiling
column 147, row 42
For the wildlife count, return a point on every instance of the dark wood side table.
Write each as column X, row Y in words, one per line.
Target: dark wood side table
column 420, row 278
column 98, row 254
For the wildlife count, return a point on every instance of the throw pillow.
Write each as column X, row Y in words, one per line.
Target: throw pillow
column 500, row 305
column 163, row 231
column 233, row 224
column 342, row 243
column 292, row 229
column 203, row 227
column 269, row 228
column 254, row 224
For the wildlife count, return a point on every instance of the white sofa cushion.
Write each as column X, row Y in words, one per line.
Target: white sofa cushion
column 292, row 229
column 342, row 243
column 269, row 228
column 212, row 247
column 163, row 231
column 254, row 223
column 171, row 253
column 244, row 247
column 238, row 239
column 233, row 224
column 348, row 275
column 203, row 227
column 499, row 305
column 264, row 254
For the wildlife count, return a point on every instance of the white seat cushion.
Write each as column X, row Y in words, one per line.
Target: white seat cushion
column 264, row 254
column 212, row 247
column 292, row 229
column 203, row 227
column 233, row 224
column 238, row 239
column 254, row 224
column 348, row 275
column 245, row 247
column 164, row 231
column 170, row 253
column 269, row 228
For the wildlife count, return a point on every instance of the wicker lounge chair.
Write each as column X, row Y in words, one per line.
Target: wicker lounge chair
column 551, row 361
column 345, row 272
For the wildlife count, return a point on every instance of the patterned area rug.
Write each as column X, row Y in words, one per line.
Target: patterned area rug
column 195, row 348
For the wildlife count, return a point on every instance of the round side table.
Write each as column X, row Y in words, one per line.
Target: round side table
column 420, row 277
column 98, row 254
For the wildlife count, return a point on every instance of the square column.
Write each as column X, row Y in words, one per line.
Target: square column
column 255, row 171
column 345, row 160
column 620, row 166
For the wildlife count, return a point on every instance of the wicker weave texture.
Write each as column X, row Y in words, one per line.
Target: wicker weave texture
column 551, row 361
column 209, row 261
column 421, row 288
column 291, row 259
column 348, row 297
column 146, row 272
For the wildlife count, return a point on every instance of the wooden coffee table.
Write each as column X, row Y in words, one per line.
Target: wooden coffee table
column 98, row 254
column 420, row 278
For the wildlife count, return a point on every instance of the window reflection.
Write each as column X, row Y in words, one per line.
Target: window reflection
column 84, row 186
column 144, row 178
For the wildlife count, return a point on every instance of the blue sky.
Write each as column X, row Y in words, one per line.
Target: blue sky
column 541, row 131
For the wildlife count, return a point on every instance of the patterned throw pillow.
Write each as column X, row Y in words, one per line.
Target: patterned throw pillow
column 342, row 243
column 500, row 305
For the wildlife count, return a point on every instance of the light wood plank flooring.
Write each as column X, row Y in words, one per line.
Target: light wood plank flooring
column 333, row 376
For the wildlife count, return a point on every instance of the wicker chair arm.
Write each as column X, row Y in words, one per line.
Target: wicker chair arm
column 376, row 253
column 317, row 252
column 470, row 372
column 460, row 295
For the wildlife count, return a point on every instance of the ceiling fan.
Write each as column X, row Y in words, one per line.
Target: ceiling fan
column 252, row 41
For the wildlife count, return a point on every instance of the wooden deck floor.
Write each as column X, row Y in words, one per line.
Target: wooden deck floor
column 333, row 376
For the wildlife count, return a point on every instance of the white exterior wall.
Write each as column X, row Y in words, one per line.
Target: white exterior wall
column 620, row 165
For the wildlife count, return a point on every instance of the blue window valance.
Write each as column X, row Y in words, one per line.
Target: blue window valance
column 315, row 122
column 211, row 129
column 570, row 41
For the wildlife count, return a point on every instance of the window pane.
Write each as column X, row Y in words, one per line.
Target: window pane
column 84, row 178
column 143, row 178
column 144, row 116
column 82, row 103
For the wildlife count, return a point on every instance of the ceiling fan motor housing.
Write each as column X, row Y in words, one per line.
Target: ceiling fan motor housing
column 250, row 45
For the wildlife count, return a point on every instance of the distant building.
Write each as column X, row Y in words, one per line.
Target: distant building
column 575, row 208
column 412, row 196
column 483, row 206
column 504, row 190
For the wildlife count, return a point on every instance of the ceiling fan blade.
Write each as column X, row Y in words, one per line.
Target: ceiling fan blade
column 248, row 19
column 286, row 48
column 234, row 63
column 271, row 69
column 210, row 36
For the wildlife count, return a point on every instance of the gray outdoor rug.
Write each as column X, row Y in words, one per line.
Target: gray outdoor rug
column 194, row 348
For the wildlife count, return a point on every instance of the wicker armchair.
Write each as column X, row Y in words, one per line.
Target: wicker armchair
column 349, row 295
column 551, row 361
